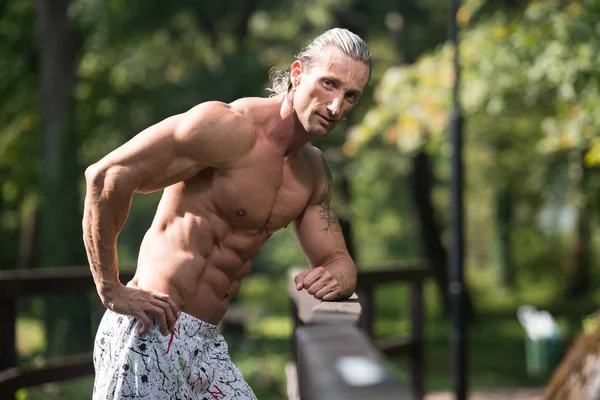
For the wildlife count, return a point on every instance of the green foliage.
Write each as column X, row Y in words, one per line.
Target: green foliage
column 591, row 325
column 138, row 63
column 19, row 141
column 382, row 212
column 540, row 68
column 529, row 92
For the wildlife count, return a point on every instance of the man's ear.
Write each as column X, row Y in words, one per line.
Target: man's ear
column 296, row 71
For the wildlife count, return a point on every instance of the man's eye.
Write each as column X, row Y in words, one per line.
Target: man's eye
column 352, row 97
column 328, row 83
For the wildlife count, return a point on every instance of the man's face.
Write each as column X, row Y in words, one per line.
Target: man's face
column 328, row 90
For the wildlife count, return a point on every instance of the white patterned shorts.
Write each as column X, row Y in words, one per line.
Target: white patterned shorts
column 192, row 363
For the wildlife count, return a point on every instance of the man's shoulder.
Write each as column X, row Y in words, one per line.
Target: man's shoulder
column 316, row 161
column 248, row 105
column 319, row 168
column 214, row 112
column 257, row 111
column 219, row 118
column 218, row 128
column 315, row 156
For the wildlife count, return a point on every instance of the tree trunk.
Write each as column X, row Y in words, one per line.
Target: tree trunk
column 435, row 252
column 576, row 376
column 67, row 317
column 578, row 268
column 504, row 213
column 29, row 234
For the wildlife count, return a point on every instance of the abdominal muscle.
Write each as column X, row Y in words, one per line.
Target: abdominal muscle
column 197, row 261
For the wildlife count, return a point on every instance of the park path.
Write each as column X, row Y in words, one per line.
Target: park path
column 505, row 394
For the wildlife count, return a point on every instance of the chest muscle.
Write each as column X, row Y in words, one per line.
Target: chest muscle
column 267, row 194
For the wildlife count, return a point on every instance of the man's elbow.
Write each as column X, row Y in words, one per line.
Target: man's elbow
column 351, row 277
column 101, row 179
column 351, row 288
column 93, row 175
column 94, row 181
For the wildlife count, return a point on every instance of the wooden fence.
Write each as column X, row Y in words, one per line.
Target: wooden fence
column 322, row 328
column 24, row 283
column 411, row 346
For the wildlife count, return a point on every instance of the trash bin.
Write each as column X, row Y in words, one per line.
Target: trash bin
column 543, row 343
column 542, row 355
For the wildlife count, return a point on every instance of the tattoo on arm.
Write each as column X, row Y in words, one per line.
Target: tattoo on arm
column 331, row 222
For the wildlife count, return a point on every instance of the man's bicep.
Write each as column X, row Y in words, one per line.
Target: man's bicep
column 320, row 235
column 170, row 151
column 149, row 160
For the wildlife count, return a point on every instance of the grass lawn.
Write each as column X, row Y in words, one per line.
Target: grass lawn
column 496, row 345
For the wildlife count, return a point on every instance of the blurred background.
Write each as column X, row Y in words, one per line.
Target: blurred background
column 81, row 77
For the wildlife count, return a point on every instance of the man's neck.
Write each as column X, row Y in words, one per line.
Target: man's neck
column 287, row 133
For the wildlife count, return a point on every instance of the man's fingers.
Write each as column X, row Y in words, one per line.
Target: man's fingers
column 331, row 296
column 329, row 293
column 166, row 298
column 299, row 279
column 313, row 276
column 159, row 313
column 176, row 311
column 143, row 304
column 146, row 322
column 323, row 292
column 316, row 287
column 167, row 311
column 168, row 301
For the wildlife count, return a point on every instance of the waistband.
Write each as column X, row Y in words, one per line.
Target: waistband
column 186, row 324
column 193, row 326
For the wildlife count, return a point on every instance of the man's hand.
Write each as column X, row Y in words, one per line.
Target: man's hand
column 139, row 303
column 320, row 283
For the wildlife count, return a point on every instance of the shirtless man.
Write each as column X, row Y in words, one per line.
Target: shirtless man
column 232, row 175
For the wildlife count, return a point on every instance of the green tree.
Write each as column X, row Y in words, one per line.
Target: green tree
column 18, row 136
column 530, row 92
column 60, row 239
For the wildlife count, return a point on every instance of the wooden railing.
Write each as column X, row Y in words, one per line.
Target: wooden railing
column 16, row 284
column 328, row 328
column 333, row 341
column 412, row 346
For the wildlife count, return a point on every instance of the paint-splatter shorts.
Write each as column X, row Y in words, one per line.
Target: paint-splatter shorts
column 191, row 363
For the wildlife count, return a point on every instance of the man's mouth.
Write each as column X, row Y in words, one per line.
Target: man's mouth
column 327, row 121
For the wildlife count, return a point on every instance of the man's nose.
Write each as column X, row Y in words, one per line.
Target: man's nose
column 335, row 106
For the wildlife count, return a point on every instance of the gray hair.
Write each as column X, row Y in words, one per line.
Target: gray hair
column 348, row 42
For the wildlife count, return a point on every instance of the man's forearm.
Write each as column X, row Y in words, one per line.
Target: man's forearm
column 102, row 257
column 106, row 208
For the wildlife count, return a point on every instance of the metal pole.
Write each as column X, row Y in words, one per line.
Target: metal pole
column 456, row 288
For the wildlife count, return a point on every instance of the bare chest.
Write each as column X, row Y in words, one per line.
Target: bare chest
column 264, row 192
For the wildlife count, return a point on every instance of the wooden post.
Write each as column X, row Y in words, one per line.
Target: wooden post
column 297, row 323
column 417, row 339
column 18, row 284
column 334, row 360
column 8, row 351
column 365, row 295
